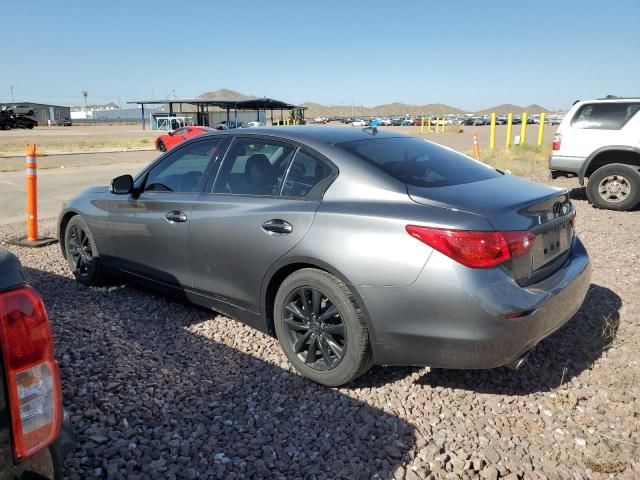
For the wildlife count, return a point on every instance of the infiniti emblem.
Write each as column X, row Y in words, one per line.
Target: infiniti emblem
column 557, row 209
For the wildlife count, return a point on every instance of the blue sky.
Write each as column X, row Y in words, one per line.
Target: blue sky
column 470, row 54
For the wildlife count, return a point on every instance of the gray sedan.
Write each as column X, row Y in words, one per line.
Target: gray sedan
column 351, row 246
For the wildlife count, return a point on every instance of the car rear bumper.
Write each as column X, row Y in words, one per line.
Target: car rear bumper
column 455, row 317
column 562, row 163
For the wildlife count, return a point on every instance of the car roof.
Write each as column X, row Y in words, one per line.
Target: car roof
column 612, row 100
column 328, row 135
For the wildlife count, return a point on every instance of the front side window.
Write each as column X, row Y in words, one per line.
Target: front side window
column 182, row 170
column 604, row 116
column 305, row 172
column 254, row 167
column 420, row 163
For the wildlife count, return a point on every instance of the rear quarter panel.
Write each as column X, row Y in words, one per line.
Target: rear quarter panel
column 359, row 230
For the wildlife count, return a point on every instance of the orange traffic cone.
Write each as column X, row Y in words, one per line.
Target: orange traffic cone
column 32, row 239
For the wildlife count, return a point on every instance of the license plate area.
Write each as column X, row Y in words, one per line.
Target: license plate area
column 551, row 244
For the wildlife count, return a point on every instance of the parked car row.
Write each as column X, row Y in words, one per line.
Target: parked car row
column 461, row 119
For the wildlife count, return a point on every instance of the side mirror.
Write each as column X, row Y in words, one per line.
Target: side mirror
column 170, row 133
column 122, row 185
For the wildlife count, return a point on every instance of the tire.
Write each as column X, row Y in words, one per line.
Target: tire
column 161, row 146
column 337, row 358
column 81, row 252
column 614, row 187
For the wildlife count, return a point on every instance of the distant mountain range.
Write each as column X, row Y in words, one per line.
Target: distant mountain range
column 226, row 94
column 391, row 109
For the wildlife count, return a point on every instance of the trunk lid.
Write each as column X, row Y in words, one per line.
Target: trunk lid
column 512, row 203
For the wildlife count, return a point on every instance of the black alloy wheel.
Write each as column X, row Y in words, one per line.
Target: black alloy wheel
column 314, row 329
column 82, row 256
column 80, row 250
column 321, row 327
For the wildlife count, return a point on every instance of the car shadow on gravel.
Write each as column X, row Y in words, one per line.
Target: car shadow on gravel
column 153, row 391
column 578, row 193
column 557, row 359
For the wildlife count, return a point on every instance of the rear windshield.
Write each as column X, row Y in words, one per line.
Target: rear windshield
column 605, row 116
column 420, row 163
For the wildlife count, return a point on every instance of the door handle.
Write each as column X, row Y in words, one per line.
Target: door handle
column 175, row 217
column 278, row 227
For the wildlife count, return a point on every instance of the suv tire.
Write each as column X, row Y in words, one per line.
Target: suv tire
column 614, row 187
column 349, row 352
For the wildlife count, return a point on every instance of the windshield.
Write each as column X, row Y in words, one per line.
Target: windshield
column 420, row 163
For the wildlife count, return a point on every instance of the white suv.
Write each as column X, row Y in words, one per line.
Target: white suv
column 600, row 140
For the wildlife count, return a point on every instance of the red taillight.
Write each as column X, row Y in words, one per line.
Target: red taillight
column 475, row 249
column 557, row 140
column 33, row 385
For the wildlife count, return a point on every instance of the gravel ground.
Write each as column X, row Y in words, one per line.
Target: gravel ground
column 160, row 389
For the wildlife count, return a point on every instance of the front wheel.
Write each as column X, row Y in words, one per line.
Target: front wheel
column 614, row 187
column 321, row 328
column 161, row 146
column 82, row 255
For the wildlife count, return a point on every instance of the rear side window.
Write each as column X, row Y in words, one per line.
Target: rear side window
column 254, row 167
column 604, row 116
column 305, row 172
column 420, row 163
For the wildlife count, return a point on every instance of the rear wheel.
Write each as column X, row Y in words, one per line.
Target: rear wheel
column 82, row 255
column 161, row 146
column 614, row 187
column 321, row 328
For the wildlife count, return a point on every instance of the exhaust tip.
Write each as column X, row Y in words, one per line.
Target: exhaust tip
column 517, row 363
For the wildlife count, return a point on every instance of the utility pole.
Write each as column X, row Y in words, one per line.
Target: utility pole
column 13, row 100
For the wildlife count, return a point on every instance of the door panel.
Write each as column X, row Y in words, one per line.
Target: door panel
column 145, row 242
column 149, row 231
column 231, row 252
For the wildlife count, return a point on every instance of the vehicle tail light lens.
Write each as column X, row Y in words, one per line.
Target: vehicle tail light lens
column 475, row 249
column 32, row 380
column 557, row 140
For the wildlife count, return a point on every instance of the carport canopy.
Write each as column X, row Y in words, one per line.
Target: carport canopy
column 202, row 106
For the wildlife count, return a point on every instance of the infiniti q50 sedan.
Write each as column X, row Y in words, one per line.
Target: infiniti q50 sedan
column 351, row 246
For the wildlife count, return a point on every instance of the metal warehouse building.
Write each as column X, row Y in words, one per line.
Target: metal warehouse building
column 43, row 113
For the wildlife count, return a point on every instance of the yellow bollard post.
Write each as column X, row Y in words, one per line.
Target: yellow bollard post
column 523, row 129
column 541, row 129
column 437, row 124
column 492, row 135
column 422, row 126
column 429, row 125
column 509, row 127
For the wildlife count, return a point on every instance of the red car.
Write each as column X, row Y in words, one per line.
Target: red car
column 171, row 139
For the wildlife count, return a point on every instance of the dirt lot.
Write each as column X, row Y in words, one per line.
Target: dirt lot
column 161, row 389
column 78, row 138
